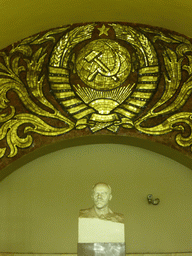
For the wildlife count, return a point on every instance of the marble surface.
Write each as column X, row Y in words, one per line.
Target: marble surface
column 101, row 231
column 74, row 254
column 98, row 249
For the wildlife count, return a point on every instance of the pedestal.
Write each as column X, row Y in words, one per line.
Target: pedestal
column 101, row 249
column 100, row 237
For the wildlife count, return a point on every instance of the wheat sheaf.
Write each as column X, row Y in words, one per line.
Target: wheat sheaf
column 63, row 48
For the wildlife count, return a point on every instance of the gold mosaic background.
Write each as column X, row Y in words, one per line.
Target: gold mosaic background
column 95, row 78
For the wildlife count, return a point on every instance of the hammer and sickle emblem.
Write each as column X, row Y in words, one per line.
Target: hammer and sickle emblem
column 102, row 68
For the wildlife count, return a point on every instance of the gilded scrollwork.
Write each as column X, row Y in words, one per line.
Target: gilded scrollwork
column 172, row 75
column 103, row 76
column 10, row 80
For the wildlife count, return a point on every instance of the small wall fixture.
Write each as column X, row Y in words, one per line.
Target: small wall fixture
column 150, row 199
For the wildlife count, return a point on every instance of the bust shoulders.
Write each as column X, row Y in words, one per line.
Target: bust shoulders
column 111, row 216
column 119, row 217
column 88, row 213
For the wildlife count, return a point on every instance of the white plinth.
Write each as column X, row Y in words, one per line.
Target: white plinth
column 94, row 230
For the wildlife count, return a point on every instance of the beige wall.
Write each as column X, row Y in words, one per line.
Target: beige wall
column 22, row 18
column 40, row 201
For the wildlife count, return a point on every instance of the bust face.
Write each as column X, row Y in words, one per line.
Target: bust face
column 101, row 196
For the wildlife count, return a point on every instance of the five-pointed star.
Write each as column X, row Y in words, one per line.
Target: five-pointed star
column 103, row 30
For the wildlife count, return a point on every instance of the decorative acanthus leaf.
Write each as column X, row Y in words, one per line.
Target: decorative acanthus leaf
column 11, row 81
column 34, row 69
column 4, row 88
column 186, row 141
column 12, row 73
column 11, row 76
column 48, row 36
column 161, row 36
column 164, row 38
column 170, row 124
column 188, row 68
column 180, row 39
column 22, row 92
column 10, row 131
column 2, row 67
column 35, row 82
column 15, row 66
column 6, row 60
column 182, row 49
column 149, row 30
column 28, row 40
column 173, row 67
column 23, row 48
column 5, row 74
column 2, row 152
column 39, row 126
column 171, row 39
column 181, row 98
column 4, row 117
column 172, row 82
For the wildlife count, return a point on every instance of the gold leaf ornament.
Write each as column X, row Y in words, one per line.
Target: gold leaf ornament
column 105, row 98
column 10, row 80
column 24, row 45
column 173, row 123
column 9, row 130
column 173, row 65
column 37, row 125
column 103, row 102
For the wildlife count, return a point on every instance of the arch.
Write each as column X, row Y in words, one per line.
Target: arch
column 58, row 89
column 103, row 139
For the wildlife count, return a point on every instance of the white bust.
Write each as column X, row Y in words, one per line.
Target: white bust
column 101, row 195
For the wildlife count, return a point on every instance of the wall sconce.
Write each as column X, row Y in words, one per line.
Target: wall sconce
column 150, row 199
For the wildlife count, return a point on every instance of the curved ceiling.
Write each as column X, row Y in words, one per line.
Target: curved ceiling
column 21, row 18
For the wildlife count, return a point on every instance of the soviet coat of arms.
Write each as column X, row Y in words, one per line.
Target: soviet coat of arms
column 98, row 85
column 103, row 76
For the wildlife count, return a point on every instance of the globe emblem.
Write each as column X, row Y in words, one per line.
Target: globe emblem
column 103, row 64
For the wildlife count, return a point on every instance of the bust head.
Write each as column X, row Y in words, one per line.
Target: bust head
column 101, row 195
